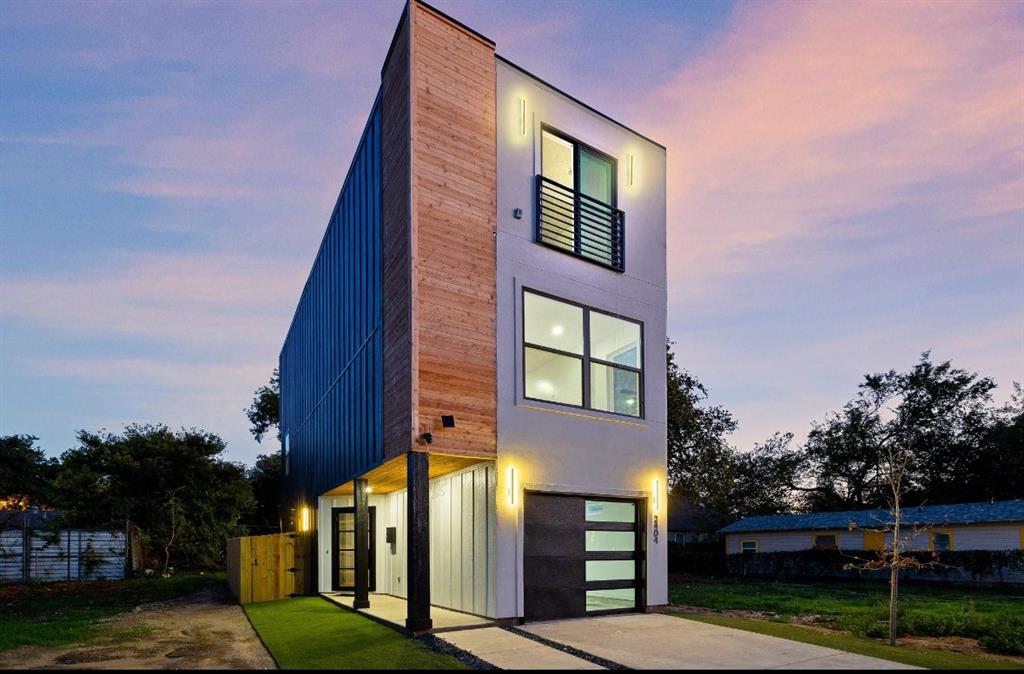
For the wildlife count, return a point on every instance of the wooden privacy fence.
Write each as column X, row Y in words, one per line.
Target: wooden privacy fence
column 65, row 554
column 262, row 568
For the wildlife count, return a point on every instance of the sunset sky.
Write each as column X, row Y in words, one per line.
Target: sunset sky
column 846, row 190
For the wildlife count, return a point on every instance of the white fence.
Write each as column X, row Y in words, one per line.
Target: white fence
column 66, row 554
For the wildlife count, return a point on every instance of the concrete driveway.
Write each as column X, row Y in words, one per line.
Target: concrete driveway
column 655, row 641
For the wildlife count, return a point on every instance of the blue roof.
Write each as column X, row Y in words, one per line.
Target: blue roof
column 964, row 513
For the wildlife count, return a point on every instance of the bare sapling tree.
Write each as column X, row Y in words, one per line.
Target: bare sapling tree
column 175, row 512
column 899, row 415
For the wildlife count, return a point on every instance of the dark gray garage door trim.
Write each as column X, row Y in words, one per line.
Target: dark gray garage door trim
column 554, row 554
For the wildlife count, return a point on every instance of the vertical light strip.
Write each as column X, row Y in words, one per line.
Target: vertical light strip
column 656, row 498
column 510, row 486
column 304, row 519
column 522, row 115
column 629, row 169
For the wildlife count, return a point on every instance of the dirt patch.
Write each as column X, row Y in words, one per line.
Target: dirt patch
column 206, row 630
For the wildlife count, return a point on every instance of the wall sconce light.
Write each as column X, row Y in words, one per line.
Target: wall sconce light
column 630, row 169
column 656, row 496
column 522, row 115
column 510, row 485
column 304, row 519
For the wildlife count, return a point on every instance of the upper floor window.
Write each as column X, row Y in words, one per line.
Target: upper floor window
column 578, row 356
column 576, row 198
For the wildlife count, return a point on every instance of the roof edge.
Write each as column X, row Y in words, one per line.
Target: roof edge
column 578, row 101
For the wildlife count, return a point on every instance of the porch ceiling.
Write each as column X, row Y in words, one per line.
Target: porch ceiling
column 390, row 475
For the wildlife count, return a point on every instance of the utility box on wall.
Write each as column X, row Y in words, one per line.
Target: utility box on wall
column 391, row 537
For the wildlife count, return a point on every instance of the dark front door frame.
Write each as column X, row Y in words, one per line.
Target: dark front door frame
column 335, row 581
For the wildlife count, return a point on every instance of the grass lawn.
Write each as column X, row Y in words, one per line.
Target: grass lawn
column 53, row 614
column 311, row 633
column 921, row 657
column 993, row 616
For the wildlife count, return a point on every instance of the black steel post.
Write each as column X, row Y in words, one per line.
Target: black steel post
column 362, row 589
column 418, row 542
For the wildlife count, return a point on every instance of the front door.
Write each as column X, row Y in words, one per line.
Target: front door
column 343, row 568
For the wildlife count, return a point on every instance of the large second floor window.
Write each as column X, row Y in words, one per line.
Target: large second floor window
column 575, row 355
column 576, row 199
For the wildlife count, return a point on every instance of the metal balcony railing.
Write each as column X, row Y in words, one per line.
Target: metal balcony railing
column 580, row 225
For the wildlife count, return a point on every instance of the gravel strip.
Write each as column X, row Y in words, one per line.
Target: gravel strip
column 465, row 657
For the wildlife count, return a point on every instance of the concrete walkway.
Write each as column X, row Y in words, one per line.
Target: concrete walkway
column 393, row 610
column 506, row 650
column 655, row 641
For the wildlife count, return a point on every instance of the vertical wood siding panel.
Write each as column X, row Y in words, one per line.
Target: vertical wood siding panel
column 396, row 285
column 454, row 189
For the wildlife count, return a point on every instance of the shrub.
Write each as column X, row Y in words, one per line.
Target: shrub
column 1005, row 638
column 702, row 559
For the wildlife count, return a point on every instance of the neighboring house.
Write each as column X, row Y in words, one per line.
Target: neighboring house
column 473, row 386
column 689, row 523
column 969, row 526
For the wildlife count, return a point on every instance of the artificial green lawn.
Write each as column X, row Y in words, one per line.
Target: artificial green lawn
column 312, row 633
column 993, row 616
column 920, row 657
column 65, row 613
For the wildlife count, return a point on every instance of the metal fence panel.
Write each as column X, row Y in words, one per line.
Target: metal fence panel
column 62, row 555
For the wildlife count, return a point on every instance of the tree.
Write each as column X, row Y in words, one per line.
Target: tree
column 999, row 470
column 174, row 486
column 264, row 411
column 265, row 480
column 766, row 477
column 704, row 469
column 701, row 466
column 26, row 474
column 844, row 462
column 906, row 415
column 958, row 447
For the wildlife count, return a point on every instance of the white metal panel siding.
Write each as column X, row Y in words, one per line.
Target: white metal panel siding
column 391, row 565
column 988, row 537
column 461, row 532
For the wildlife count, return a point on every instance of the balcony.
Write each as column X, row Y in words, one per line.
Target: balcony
column 574, row 223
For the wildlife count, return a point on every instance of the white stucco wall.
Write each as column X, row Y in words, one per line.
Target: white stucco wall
column 552, row 447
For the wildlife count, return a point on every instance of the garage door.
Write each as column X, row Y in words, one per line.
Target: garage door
column 582, row 556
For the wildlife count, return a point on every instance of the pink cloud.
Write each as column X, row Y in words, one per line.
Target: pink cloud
column 206, row 300
column 808, row 114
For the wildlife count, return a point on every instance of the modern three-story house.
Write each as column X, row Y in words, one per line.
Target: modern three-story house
column 473, row 385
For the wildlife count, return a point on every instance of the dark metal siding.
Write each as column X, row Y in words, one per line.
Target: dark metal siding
column 331, row 362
